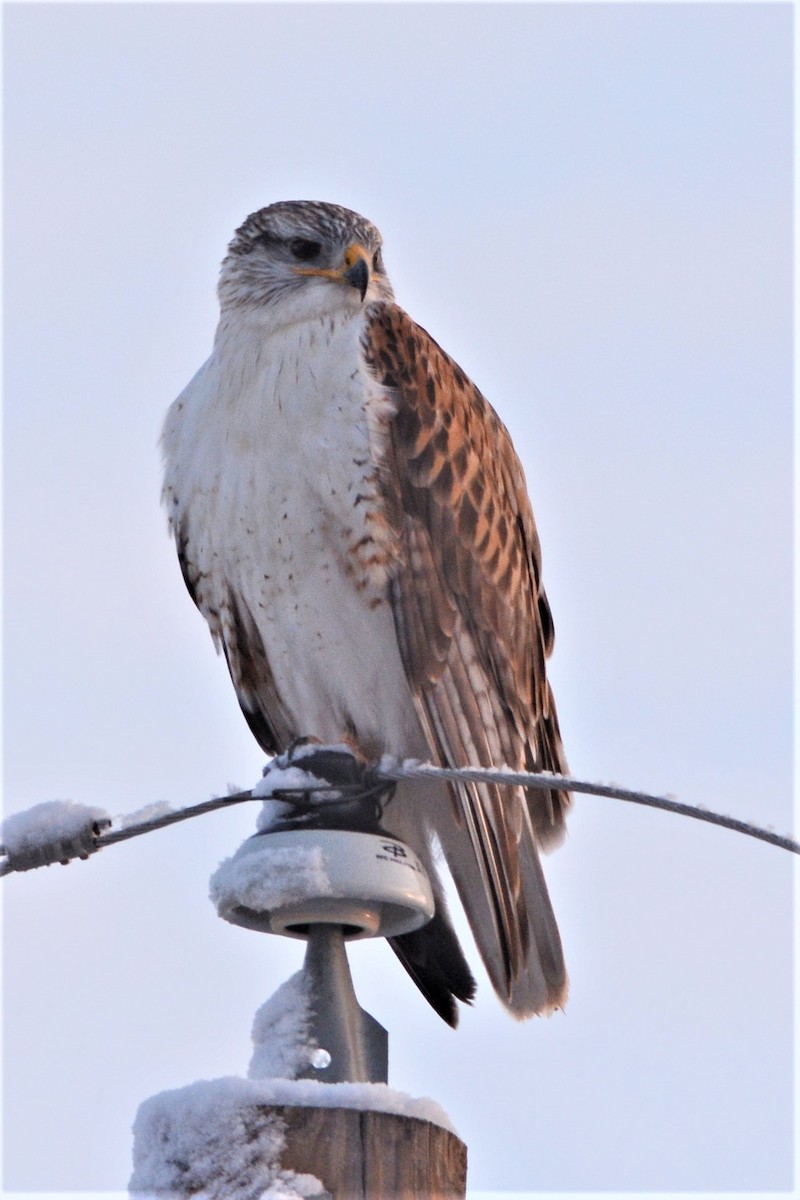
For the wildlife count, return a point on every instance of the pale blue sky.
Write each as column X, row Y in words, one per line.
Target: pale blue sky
column 589, row 206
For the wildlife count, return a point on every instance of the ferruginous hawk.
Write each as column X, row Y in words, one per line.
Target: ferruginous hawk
column 352, row 521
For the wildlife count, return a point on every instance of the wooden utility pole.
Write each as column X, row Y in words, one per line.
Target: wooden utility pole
column 347, row 878
column 360, row 1155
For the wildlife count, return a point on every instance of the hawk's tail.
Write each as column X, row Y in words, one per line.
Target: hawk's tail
column 493, row 856
column 435, row 961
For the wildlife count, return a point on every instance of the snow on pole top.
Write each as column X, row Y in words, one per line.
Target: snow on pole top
column 218, row 1139
column 214, row 1140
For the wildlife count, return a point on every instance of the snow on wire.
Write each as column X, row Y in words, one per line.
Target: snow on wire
column 59, row 831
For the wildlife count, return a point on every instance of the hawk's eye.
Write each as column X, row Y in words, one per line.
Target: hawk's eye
column 303, row 249
column 377, row 261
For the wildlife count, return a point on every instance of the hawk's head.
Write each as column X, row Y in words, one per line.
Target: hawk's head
column 304, row 259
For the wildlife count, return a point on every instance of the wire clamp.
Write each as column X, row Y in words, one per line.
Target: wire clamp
column 56, row 831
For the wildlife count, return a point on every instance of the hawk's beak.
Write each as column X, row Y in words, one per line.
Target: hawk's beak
column 355, row 270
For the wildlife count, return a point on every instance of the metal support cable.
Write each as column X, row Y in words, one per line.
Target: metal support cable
column 545, row 781
column 413, row 770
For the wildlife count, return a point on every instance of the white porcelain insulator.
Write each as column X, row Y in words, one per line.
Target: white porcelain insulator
column 284, row 881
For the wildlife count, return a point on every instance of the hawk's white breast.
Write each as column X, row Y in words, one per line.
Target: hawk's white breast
column 273, row 453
